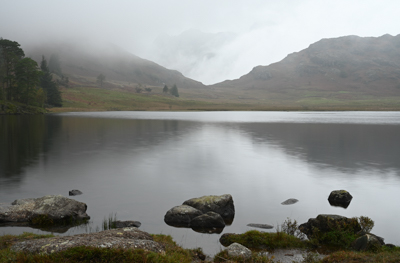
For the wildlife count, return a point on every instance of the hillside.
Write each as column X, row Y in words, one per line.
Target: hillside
column 84, row 62
column 345, row 73
column 340, row 69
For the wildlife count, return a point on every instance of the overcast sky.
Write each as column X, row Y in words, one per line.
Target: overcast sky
column 260, row 32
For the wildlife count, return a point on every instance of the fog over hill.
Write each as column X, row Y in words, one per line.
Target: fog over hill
column 81, row 59
column 343, row 68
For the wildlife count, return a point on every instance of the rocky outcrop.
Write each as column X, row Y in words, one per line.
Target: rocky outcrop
column 126, row 238
column 238, row 250
column 340, row 198
column 327, row 223
column 222, row 205
column 206, row 214
column 181, row 215
column 290, row 201
column 48, row 210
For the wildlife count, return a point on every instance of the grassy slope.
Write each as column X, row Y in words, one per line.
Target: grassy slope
column 89, row 98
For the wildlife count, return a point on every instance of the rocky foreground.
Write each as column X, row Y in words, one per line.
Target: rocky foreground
column 126, row 238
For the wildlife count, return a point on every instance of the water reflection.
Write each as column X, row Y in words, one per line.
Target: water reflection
column 139, row 168
column 22, row 140
column 344, row 147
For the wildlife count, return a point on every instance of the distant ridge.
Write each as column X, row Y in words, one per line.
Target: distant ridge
column 348, row 67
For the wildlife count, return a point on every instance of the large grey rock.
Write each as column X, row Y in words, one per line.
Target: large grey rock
column 126, row 238
column 222, row 205
column 238, row 250
column 327, row 223
column 340, row 198
column 47, row 210
column 181, row 215
column 208, row 220
column 367, row 242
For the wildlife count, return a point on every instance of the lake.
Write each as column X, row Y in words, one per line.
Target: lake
column 140, row 164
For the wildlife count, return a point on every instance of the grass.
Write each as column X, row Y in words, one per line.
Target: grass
column 84, row 98
column 110, row 222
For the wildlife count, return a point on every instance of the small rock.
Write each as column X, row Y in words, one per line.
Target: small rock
column 238, row 250
column 75, row 192
column 290, row 201
column 264, row 226
column 367, row 242
column 340, row 198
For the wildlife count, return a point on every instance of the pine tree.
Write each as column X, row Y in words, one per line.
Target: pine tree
column 50, row 87
column 165, row 89
column 174, row 91
column 10, row 55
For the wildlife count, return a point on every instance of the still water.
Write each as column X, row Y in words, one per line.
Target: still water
column 140, row 164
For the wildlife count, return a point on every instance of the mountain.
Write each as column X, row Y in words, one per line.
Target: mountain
column 347, row 68
column 84, row 61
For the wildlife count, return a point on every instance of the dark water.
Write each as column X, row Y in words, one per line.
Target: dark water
column 141, row 164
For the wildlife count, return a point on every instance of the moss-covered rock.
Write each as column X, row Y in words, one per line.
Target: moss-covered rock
column 222, row 204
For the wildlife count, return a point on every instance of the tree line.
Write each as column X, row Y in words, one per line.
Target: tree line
column 173, row 91
column 22, row 80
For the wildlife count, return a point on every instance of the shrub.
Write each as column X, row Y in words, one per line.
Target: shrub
column 291, row 228
column 366, row 223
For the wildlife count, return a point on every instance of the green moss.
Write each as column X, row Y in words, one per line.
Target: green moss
column 261, row 240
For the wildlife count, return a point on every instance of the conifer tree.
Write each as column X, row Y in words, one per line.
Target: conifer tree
column 50, row 87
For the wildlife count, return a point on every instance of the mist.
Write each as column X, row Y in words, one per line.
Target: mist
column 205, row 40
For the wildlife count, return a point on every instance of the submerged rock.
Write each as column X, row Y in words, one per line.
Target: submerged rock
column 181, row 215
column 340, row 198
column 126, row 238
column 45, row 211
column 290, row 201
column 123, row 224
column 74, row 192
column 264, row 226
column 222, row 205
